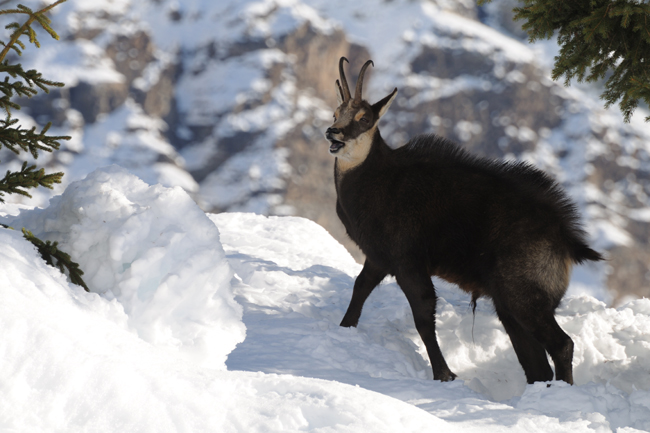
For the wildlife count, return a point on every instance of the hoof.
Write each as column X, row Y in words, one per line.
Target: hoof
column 447, row 376
column 349, row 323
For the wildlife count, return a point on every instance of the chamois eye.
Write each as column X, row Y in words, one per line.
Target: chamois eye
column 364, row 120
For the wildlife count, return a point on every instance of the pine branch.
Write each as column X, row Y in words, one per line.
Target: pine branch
column 9, row 89
column 28, row 177
column 18, row 139
column 596, row 38
column 57, row 258
column 26, row 28
column 31, row 77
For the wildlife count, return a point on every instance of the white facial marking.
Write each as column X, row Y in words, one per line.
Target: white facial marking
column 355, row 151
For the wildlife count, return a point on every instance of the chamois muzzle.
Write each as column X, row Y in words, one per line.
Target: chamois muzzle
column 335, row 145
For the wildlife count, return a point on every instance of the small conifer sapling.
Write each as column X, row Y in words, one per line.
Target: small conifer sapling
column 20, row 83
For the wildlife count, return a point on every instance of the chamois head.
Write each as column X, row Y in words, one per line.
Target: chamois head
column 355, row 121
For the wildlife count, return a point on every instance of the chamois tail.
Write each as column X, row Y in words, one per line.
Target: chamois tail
column 583, row 253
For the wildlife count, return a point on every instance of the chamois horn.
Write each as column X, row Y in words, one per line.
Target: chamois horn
column 345, row 90
column 359, row 89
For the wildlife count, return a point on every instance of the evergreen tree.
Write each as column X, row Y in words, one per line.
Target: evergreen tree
column 21, row 83
column 597, row 38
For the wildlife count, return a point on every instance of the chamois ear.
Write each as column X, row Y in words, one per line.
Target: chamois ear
column 380, row 108
column 339, row 93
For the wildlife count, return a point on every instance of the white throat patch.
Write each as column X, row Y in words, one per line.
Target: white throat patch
column 355, row 151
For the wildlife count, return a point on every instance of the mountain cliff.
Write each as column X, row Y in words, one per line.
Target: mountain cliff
column 229, row 100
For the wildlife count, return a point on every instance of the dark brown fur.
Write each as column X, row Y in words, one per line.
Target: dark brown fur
column 502, row 230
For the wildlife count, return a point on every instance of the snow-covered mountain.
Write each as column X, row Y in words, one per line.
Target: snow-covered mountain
column 228, row 99
column 177, row 292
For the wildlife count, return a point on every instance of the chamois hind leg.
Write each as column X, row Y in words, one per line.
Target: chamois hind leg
column 418, row 288
column 557, row 343
column 365, row 283
column 530, row 352
column 535, row 312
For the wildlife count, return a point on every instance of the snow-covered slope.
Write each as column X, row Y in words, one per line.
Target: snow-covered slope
column 68, row 363
column 76, row 361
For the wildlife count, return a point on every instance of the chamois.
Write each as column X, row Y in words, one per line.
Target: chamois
column 503, row 230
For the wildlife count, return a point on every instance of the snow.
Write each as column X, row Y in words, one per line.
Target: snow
column 69, row 364
column 175, row 290
column 133, row 243
column 247, row 171
column 131, row 139
column 71, row 63
column 230, row 322
column 278, row 17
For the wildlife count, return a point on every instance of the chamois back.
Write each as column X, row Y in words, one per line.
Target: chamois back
column 437, row 153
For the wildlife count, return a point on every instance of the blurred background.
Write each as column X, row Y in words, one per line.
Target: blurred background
column 229, row 100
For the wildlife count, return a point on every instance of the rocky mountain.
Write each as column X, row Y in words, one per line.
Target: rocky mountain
column 229, row 100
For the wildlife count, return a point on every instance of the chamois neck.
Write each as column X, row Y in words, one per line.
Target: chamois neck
column 357, row 151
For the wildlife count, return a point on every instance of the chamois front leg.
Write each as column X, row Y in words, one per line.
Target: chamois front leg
column 365, row 283
column 416, row 284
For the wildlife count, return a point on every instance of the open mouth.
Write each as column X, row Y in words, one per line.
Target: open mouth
column 336, row 145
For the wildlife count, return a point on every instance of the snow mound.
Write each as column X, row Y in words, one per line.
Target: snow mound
column 69, row 363
column 295, row 283
column 153, row 250
column 291, row 242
